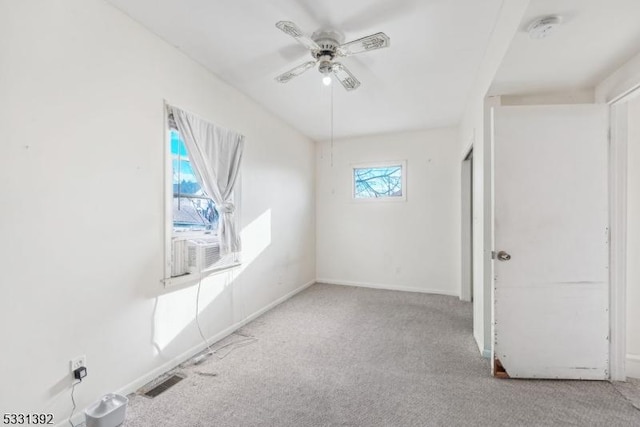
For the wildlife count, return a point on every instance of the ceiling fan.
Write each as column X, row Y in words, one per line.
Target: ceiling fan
column 325, row 47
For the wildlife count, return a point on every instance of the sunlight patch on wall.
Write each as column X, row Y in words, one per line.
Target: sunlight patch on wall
column 176, row 311
column 173, row 312
column 256, row 237
column 212, row 287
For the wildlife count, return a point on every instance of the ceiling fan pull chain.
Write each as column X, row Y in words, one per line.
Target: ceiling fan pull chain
column 332, row 126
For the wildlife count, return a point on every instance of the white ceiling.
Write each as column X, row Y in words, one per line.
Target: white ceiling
column 595, row 38
column 421, row 81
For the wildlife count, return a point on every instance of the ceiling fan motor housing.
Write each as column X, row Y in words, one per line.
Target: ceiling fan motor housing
column 328, row 43
column 328, row 51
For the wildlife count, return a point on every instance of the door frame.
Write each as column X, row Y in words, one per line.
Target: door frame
column 617, row 240
column 618, row 222
column 615, row 90
column 617, row 229
column 466, row 216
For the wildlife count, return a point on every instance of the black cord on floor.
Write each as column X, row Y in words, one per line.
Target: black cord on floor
column 73, row 401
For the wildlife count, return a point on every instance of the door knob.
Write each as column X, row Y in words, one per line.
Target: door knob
column 503, row 256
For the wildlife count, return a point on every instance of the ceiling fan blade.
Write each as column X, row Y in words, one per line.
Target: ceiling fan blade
column 285, row 77
column 372, row 42
column 344, row 75
column 294, row 31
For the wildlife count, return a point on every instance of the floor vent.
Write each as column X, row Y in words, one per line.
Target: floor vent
column 156, row 389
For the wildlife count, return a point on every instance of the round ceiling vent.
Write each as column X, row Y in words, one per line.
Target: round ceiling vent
column 543, row 27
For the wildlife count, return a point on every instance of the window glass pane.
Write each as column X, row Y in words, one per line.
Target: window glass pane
column 194, row 214
column 192, row 209
column 184, row 180
column 177, row 146
column 377, row 182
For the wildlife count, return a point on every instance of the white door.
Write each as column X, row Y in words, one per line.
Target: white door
column 551, row 289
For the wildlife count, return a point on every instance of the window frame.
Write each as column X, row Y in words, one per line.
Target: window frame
column 371, row 165
column 169, row 234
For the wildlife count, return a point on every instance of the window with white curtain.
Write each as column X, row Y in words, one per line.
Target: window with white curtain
column 202, row 198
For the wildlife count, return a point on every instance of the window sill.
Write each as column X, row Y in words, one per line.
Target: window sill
column 191, row 278
column 378, row 199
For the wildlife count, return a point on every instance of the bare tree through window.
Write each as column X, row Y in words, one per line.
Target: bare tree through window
column 378, row 182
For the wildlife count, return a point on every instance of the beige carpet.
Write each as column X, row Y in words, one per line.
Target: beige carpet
column 630, row 390
column 344, row 356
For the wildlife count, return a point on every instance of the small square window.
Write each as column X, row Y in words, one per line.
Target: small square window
column 380, row 181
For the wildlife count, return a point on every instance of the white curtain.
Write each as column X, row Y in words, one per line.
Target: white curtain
column 215, row 154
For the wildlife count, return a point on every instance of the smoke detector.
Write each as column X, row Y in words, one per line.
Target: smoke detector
column 543, row 27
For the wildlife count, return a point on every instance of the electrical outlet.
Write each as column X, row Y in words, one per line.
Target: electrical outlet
column 78, row 362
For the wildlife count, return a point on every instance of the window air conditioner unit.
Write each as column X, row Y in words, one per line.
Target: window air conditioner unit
column 179, row 261
column 202, row 254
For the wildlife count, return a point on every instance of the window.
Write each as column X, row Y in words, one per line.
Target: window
column 380, row 181
column 193, row 221
column 193, row 218
column 192, row 209
column 202, row 163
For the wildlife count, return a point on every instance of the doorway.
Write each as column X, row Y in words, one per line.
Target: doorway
column 466, row 291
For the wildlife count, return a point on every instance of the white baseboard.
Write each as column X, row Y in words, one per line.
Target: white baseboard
column 78, row 418
column 387, row 287
column 633, row 366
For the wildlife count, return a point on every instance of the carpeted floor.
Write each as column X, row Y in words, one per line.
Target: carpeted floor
column 345, row 356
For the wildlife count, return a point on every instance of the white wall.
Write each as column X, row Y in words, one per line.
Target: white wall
column 82, row 184
column 633, row 240
column 576, row 96
column 410, row 245
column 620, row 82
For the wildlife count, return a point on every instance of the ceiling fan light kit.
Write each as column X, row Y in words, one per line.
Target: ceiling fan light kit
column 325, row 47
